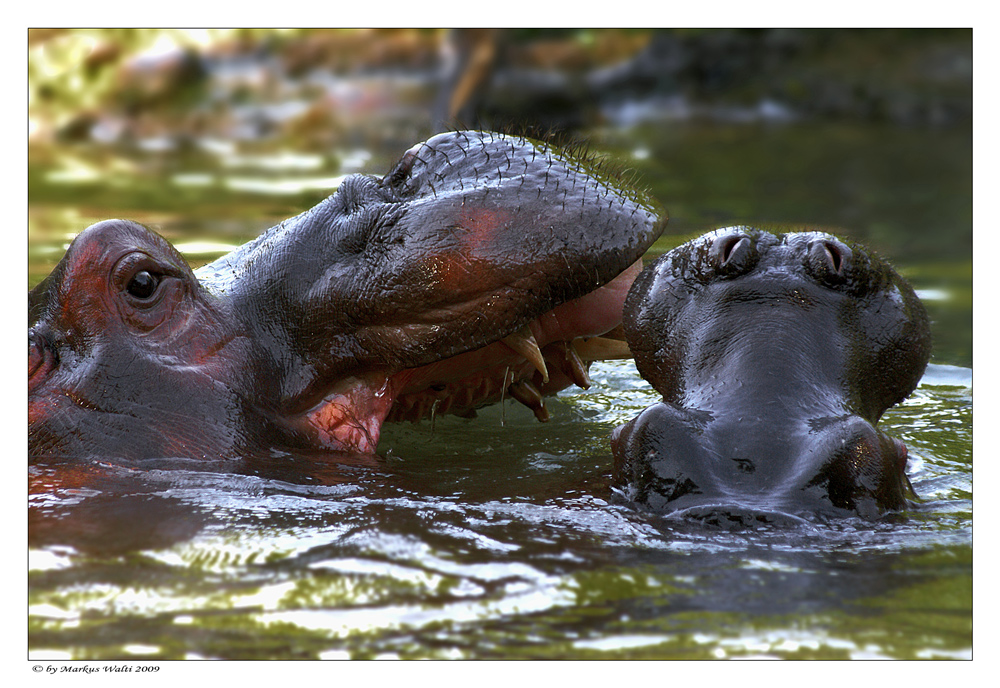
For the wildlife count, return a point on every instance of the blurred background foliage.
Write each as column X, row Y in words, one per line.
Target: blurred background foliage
column 311, row 86
column 210, row 136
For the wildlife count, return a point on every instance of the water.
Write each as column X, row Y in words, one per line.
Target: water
column 500, row 537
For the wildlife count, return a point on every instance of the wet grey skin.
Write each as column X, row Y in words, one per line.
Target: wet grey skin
column 776, row 355
column 481, row 267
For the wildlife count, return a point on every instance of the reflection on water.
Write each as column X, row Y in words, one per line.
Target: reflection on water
column 500, row 537
column 472, row 540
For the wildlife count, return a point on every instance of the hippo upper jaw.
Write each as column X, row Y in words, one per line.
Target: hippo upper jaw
column 461, row 277
column 831, row 321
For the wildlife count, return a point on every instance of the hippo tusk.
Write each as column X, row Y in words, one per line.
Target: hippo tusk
column 573, row 365
column 528, row 394
column 601, row 349
column 523, row 342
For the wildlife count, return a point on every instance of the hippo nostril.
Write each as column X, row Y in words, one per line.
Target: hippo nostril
column 834, row 255
column 734, row 253
column 828, row 260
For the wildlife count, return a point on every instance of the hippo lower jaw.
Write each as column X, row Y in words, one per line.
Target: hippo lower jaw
column 544, row 356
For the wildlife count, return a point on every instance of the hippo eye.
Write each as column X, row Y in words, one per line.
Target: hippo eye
column 143, row 285
column 146, row 291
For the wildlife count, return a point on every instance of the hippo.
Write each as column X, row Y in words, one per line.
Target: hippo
column 776, row 355
column 483, row 266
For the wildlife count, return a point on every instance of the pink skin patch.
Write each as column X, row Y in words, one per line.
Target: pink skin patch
column 590, row 315
column 351, row 417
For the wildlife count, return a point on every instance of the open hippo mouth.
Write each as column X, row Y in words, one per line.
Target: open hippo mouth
column 550, row 353
column 481, row 267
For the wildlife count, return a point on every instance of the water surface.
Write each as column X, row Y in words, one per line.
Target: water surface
column 500, row 537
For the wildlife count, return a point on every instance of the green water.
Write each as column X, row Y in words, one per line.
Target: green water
column 500, row 537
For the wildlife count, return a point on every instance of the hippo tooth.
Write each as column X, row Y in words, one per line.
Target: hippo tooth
column 528, row 394
column 602, row 349
column 523, row 342
column 577, row 368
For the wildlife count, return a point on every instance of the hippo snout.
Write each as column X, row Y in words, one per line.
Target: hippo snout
column 776, row 355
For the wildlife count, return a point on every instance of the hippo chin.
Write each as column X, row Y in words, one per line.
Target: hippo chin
column 776, row 355
column 470, row 272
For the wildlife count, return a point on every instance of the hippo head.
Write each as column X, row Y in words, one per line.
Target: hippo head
column 473, row 270
column 128, row 353
column 776, row 355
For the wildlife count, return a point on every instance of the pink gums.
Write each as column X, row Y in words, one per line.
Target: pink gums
column 350, row 418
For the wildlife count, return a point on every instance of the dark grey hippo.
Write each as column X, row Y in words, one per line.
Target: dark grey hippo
column 776, row 355
column 481, row 265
